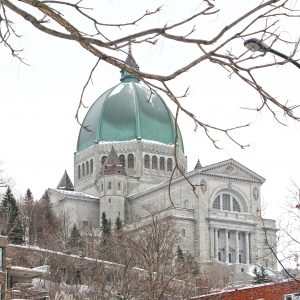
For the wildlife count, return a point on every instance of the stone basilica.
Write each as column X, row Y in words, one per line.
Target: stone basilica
column 122, row 166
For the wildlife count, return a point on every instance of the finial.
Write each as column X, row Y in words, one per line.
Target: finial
column 129, row 49
column 129, row 61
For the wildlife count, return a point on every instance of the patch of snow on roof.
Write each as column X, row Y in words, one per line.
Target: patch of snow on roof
column 75, row 194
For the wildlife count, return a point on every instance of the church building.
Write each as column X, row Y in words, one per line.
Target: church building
column 127, row 151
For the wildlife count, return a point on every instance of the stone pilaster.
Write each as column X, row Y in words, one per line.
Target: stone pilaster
column 226, row 246
column 237, row 247
column 247, row 247
column 216, row 243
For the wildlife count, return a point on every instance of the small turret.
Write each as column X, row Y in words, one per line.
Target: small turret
column 198, row 165
column 65, row 183
column 112, row 186
column 112, row 164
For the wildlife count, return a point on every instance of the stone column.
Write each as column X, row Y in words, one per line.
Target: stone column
column 216, row 244
column 212, row 243
column 226, row 246
column 247, row 246
column 237, row 247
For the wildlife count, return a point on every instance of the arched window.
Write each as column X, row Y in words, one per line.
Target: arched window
column 162, row 163
column 154, row 162
column 217, row 203
column 91, row 166
column 147, row 161
column 227, row 202
column 130, row 161
column 169, row 165
column 103, row 159
column 122, row 160
column 87, row 168
column 83, row 170
column 235, row 205
column 78, row 172
column 119, row 185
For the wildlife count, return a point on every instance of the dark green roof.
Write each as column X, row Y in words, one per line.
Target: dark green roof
column 128, row 111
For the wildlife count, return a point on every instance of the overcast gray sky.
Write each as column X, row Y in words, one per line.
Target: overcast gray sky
column 39, row 101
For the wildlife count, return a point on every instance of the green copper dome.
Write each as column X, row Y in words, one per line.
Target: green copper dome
column 128, row 111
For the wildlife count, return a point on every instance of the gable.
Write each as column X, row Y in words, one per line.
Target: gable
column 232, row 169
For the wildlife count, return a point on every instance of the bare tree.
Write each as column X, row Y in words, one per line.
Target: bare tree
column 5, row 180
column 154, row 246
column 288, row 239
column 105, row 41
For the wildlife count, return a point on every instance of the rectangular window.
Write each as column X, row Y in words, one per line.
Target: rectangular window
column 186, row 204
column 229, row 234
column 296, row 296
column 183, row 233
column 226, row 202
column 85, row 223
column 109, row 185
column 219, row 256
column 288, row 297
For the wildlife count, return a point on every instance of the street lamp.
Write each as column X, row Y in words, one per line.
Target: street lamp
column 254, row 45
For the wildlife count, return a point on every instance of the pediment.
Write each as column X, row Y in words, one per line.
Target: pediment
column 232, row 169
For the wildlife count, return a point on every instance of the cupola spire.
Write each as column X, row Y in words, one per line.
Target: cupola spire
column 130, row 62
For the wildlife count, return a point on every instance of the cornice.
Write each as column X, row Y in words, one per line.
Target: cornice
column 196, row 173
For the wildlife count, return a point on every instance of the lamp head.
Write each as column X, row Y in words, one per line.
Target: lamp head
column 254, row 45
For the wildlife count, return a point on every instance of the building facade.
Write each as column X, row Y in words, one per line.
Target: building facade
column 129, row 148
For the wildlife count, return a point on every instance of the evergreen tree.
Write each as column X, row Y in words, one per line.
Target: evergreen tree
column 118, row 224
column 47, row 210
column 105, row 228
column 15, row 236
column 180, row 256
column 9, row 207
column 28, row 198
column 27, row 210
column 46, row 223
column 12, row 225
column 260, row 275
column 75, row 237
column 105, row 225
